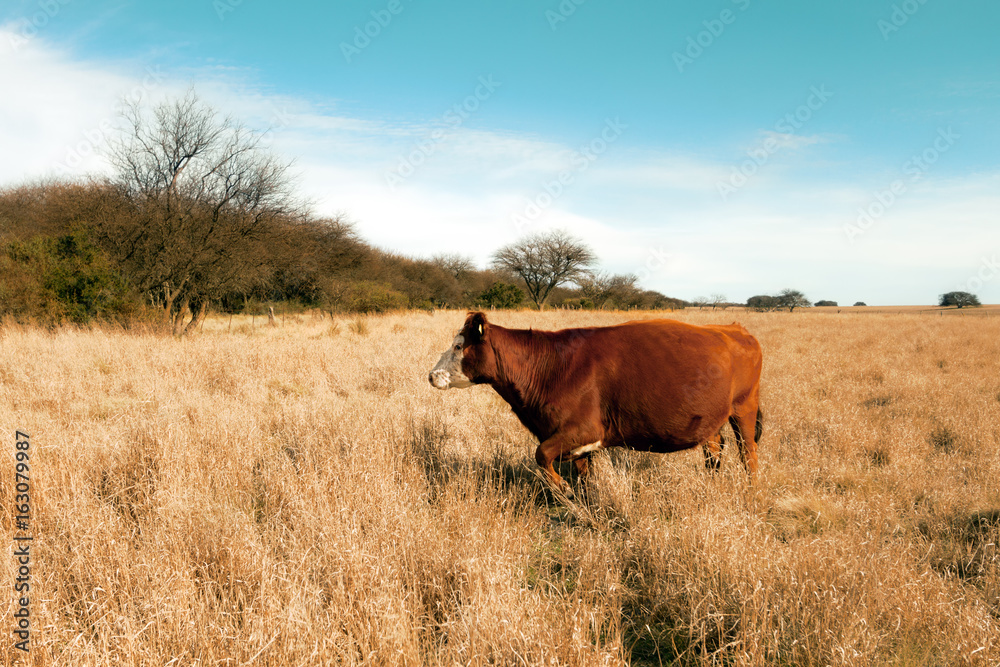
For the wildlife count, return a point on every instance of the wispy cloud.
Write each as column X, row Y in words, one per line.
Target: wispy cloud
column 791, row 141
column 973, row 89
column 640, row 208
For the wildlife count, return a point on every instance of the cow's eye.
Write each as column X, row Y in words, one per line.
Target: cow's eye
column 458, row 347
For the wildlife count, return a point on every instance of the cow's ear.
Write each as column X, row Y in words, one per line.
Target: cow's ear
column 476, row 327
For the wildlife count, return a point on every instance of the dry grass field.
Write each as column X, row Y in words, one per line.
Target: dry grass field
column 300, row 495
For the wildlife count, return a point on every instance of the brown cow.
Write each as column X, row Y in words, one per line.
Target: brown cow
column 655, row 385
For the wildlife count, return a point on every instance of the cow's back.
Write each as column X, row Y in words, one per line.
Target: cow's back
column 663, row 384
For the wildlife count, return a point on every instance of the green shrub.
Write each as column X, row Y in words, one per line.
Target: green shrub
column 500, row 295
column 65, row 278
column 582, row 303
column 371, row 297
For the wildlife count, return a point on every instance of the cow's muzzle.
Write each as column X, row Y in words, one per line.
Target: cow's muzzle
column 440, row 378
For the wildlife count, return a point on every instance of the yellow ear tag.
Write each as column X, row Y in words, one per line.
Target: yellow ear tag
column 480, row 329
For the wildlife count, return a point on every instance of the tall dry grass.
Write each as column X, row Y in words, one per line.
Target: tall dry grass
column 300, row 495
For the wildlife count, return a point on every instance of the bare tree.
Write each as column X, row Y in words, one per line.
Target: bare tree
column 603, row 288
column 205, row 196
column 545, row 261
column 718, row 301
column 457, row 265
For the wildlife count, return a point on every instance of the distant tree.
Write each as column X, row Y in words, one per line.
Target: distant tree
column 959, row 299
column 501, row 295
column 792, row 299
column 545, row 261
column 653, row 300
column 718, row 301
column 762, row 303
column 860, row 303
column 820, row 304
column 700, row 301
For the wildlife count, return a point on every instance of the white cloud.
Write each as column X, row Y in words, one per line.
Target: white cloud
column 53, row 108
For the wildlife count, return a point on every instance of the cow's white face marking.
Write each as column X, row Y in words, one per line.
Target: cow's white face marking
column 586, row 449
column 448, row 371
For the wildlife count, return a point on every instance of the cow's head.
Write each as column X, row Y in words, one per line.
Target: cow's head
column 470, row 359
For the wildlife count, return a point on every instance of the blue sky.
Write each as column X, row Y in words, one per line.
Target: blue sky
column 731, row 146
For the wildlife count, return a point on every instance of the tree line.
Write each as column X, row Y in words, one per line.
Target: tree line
column 198, row 214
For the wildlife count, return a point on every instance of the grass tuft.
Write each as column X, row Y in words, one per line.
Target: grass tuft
column 360, row 326
column 877, row 402
column 943, row 439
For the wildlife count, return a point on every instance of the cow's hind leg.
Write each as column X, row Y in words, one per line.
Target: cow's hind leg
column 582, row 466
column 712, row 449
column 744, row 424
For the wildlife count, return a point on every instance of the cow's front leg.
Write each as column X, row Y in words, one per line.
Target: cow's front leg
column 559, row 447
column 581, row 459
column 547, row 452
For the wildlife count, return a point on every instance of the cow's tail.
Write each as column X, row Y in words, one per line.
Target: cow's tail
column 758, row 428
